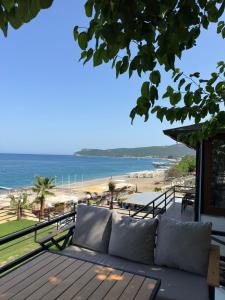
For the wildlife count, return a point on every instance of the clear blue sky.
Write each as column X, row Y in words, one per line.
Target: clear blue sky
column 50, row 103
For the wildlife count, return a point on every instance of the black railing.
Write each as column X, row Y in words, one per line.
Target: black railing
column 30, row 234
column 157, row 206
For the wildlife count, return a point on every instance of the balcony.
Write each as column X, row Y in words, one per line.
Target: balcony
column 51, row 275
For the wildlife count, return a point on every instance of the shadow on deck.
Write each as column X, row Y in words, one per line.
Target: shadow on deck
column 174, row 211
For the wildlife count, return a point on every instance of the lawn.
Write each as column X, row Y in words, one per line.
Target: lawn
column 16, row 248
column 12, row 226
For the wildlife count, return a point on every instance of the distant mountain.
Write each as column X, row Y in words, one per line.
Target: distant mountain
column 177, row 150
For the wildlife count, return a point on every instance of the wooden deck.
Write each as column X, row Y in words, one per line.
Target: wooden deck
column 50, row 276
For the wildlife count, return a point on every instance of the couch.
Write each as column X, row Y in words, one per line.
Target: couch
column 179, row 254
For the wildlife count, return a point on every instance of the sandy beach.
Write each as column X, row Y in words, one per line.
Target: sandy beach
column 74, row 191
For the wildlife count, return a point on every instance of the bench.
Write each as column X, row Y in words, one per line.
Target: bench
column 176, row 283
column 44, row 241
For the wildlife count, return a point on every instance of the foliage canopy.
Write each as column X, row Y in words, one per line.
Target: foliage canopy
column 147, row 37
column 183, row 168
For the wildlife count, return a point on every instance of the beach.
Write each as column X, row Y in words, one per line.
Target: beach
column 75, row 191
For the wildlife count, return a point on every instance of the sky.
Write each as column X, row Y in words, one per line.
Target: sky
column 51, row 104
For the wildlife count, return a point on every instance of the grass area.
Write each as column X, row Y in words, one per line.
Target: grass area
column 19, row 247
column 12, row 226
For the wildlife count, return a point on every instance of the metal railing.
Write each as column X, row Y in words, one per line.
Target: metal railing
column 157, row 206
column 28, row 236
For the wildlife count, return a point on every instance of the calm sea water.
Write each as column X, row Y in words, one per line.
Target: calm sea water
column 19, row 170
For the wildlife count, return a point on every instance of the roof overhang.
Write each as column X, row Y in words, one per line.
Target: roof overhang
column 177, row 133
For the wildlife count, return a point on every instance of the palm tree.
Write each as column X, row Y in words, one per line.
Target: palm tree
column 112, row 189
column 42, row 187
column 19, row 203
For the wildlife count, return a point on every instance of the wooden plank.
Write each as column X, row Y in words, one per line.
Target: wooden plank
column 92, row 285
column 65, row 284
column 213, row 276
column 79, row 284
column 132, row 288
column 22, row 284
column 146, row 289
column 37, row 284
column 21, row 276
column 54, row 281
column 22, row 268
column 107, row 284
column 119, row 286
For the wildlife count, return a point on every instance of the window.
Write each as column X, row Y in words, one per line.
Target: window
column 214, row 176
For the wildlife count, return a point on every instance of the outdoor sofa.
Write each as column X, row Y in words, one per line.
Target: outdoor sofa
column 178, row 253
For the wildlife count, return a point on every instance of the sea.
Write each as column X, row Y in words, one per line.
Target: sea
column 19, row 170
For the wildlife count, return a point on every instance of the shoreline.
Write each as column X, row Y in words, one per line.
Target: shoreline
column 74, row 190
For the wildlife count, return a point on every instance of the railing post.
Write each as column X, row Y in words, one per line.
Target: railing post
column 48, row 213
column 74, row 210
column 165, row 200
column 153, row 212
column 174, row 193
column 35, row 233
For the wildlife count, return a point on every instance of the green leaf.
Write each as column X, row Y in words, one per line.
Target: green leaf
column 220, row 26
column 213, row 13
column 97, row 58
column 205, row 22
column 34, row 9
column 161, row 113
column 45, row 3
column 182, row 81
column 153, row 94
column 197, row 96
column 75, row 33
column 196, row 74
column 14, row 19
column 22, row 11
column 118, row 65
column 8, row 4
column 209, row 89
column 223, row 33
column 89, row 55
column 125, row 64
column 3, row 22
column 83, row 40
column 175, row 98
column 188, row 98
column 155, row 77
column 177, row 76
column 89, row 8
column 145, row 89
column 220, row 87
column 188, row 86
column 133, row 114
column 83, row 55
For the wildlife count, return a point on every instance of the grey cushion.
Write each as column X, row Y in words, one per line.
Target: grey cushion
column 93, row 227
column 133, row 239
column 175, row 284
column 183, row 245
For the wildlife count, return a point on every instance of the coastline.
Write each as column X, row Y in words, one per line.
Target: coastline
column 75, row 190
